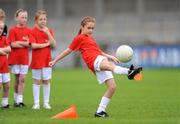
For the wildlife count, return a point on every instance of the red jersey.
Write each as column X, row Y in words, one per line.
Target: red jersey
column 19, row 55
column 3, row 58
column 42, row 56
column 88, row 48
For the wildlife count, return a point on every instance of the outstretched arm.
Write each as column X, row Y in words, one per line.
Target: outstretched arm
column 60, row 56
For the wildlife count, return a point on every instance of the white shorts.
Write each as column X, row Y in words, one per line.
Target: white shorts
column 102, row 76
column 42, row 74
column 19, row 69
column 4, row 77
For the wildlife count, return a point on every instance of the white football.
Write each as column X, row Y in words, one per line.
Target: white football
column 124, row 53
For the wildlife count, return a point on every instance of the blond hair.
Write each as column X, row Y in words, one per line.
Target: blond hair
column 2, row 14
column 85, row 20
column 38, row 13
column 18, row 11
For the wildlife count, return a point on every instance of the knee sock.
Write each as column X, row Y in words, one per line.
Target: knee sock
column 36, row 93
column 103, row 104
column 120, row 70
column 46, row 93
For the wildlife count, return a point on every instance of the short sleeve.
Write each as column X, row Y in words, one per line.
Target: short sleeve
column 11, row 36
column 7, row 42
column 75, row 44
column 31, row 37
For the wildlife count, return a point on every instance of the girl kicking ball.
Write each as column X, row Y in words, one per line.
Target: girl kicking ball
column 97, row 61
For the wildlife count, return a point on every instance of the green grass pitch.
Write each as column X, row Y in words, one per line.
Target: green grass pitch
column 155, row 100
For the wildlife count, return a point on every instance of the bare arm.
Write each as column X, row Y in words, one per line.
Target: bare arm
column 60, row 56
column 16, row 45
column 2, row 52
column 24, row 44
column 5, row 50
column 39, row 46
column 111, row 57
column 51, row 39
column 21, row 44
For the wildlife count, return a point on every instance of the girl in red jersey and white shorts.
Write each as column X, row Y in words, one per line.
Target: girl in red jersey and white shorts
column 4, row 71
column 2, row 18
column 19, row 38
column 41, row 56
column 97, row 61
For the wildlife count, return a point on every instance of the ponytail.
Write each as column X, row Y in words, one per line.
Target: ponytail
column 79, row 31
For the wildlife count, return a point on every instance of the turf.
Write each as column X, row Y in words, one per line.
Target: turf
column 155, row 100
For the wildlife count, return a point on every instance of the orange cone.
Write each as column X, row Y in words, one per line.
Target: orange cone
column 138, row 77
column 69, row 113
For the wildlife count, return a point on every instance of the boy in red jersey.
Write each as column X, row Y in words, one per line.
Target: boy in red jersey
column 97, row 61
column 20, row 38
column 41, row 56
column 4, row 71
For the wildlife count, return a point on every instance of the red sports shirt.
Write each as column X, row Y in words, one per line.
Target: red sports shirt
column 19, row 55
column 88, row 48
column 40, row 57
column 3, row 58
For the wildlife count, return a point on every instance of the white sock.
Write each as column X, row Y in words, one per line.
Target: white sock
column 4, row 101
column 36, row 93
column 15, row 97
column 103, row 104
column 120, row 70
column 19, row 98
column 46, row 93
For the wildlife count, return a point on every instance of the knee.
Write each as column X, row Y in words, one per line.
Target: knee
column 6, row 88
column 45, row 82
column 21, row 79
column 112, row 88
column 37, row 82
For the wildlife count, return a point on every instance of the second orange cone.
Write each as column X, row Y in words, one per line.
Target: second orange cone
column 69, row 113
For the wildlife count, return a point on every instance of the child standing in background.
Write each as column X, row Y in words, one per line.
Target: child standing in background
column 2, row 18
column 4, row 71
column 19, row 38
column 41, row 56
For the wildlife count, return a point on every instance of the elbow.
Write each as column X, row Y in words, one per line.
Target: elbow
column 68, row 51
column 13, row 46
column 54, row 45
column 9, row 49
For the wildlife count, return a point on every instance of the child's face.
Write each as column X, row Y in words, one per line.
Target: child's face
column 22, row 18
column 88, row 28
column 41, row 21
column 1, row 27
column 2, row 17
